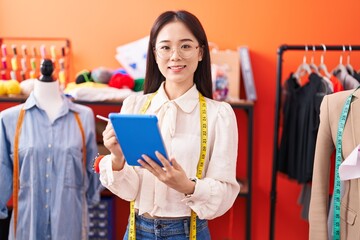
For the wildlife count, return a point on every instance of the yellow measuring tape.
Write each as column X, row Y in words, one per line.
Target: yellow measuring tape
column 132, row 229
column 200, row 167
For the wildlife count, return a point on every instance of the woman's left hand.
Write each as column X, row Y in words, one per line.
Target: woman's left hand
column 172, row 174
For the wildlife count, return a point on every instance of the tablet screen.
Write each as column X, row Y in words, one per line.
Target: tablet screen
column 138, row 134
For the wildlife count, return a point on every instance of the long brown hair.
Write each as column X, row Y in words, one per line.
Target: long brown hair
column 202, row 75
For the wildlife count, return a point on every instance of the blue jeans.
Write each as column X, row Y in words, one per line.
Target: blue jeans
column 172, row 229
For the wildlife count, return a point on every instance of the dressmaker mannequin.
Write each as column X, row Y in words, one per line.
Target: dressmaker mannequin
column 46, row 164
column 47, row 91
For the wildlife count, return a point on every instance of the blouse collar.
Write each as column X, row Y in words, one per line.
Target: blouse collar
column 186, row 102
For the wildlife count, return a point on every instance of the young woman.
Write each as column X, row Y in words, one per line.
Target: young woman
column 200, row 135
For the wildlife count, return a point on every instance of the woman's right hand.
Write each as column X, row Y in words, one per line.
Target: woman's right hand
column 111, row 143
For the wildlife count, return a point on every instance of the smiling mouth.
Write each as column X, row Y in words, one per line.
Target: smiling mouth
column 177, row 67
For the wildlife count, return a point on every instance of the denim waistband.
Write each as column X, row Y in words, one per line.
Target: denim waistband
column 168, row 227
column 143, row 216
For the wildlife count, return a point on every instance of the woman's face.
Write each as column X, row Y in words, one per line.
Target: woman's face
column 177, row 53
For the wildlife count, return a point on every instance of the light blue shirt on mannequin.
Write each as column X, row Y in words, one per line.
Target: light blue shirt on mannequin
column 54, row 190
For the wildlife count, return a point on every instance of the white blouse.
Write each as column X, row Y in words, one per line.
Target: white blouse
column 179, row 122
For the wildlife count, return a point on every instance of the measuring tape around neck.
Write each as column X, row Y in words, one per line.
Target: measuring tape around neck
column 200, row 167
column 338, row 160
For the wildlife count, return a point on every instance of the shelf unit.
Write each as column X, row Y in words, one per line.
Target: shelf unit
column 248, row 107
column 21, row 57
column 104, row 108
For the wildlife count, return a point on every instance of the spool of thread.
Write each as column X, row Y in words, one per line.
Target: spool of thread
column 13, row 75
column 33, row 74
column 53, row 52
column 4, row 63
column 62, row 64
column 14, row 49
column 43, row 51
column 3, row 50
column 14, row 64
column 23, row 64
column 3, row 74
column 63, row 51
column 34, row 51
column 24, row 50
column 22, row 73
column 33, row 63
column 62, row 77
column 23, row 61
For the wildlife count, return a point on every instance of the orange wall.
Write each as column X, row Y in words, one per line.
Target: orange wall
column 96, row 28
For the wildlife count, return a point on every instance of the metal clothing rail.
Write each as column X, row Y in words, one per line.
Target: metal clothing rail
column 275, row 165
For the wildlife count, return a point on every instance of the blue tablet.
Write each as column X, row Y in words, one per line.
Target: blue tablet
column 138, row 134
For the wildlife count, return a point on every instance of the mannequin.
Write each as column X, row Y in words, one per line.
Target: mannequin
column 320, row 218
column 47, row 146
column 47, row 91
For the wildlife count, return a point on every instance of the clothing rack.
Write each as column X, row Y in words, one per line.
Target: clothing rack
column 275, row 166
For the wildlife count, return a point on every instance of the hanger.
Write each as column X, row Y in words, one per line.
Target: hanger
column 322, row 67
column 326, row 79
column 312, row 65
column 303, row 68
column 348, row 65
column 341, row 67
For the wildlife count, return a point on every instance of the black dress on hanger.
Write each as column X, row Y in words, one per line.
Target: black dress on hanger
column 300, row 124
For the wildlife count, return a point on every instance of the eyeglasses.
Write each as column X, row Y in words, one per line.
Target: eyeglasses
column 185, row 51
